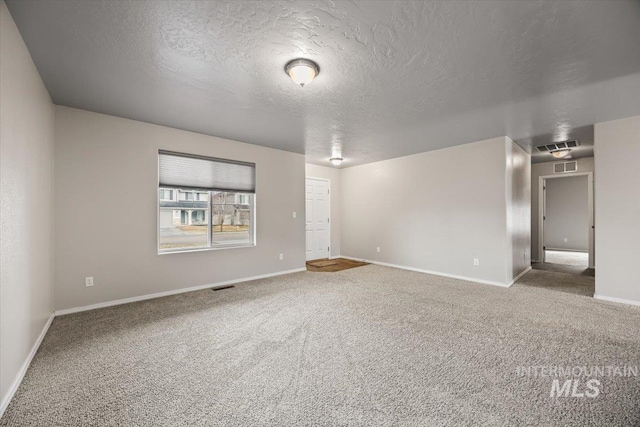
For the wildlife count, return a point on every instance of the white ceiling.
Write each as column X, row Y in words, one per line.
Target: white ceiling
column 396, row 77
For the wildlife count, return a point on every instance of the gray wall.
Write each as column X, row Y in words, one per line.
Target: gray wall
column 567, row 223
column 518, row 209
column 436, row 211
column 541, row 169
column 106, row 204
column 335, row 176
column 26, row 203
column 617, row 146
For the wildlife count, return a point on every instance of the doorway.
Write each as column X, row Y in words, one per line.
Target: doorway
column 565, row 220
column 317, row 218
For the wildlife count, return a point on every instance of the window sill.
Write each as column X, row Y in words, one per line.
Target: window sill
column 214, row 248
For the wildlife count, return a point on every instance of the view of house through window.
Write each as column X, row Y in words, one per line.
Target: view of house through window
column 194, row 219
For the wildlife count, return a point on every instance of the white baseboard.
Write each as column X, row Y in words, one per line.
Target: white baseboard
column 526, row 270
column 618, row 300
column 436, row 273
column 336, row 257
column 23, row 369
column 173, row 292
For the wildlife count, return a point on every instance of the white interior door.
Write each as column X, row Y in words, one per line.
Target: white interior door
column 317, row 218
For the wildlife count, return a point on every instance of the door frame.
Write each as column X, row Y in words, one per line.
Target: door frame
column 542, row 199
column 328, row 181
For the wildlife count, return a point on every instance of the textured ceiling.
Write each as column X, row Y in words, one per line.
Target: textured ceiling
column 396, row 77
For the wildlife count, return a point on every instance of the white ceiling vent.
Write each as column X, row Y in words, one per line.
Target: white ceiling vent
column 558, row 146
column 565, row 167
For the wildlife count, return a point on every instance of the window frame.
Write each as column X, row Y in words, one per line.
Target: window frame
column 209, row 211
column 174, row 177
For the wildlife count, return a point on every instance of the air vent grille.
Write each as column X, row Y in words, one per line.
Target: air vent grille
column 565, row 167
column 557, row 146
column 571, row 166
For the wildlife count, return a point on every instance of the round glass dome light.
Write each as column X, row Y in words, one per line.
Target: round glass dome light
column 302, row 71
column 560, row 154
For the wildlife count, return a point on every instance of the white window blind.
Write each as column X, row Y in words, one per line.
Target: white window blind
column 189, row 171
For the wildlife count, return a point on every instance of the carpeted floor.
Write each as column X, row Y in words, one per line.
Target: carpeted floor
column 583, row 283
column 369, row 346
column 578, row 259
column 560, row 268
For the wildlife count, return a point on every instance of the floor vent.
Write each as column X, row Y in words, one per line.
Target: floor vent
column 565, row 167
column 222, row 287
column 557, row 146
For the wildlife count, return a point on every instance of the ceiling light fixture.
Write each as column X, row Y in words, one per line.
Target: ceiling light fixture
column 302, row 71
column 336, row 154
column 560, row 154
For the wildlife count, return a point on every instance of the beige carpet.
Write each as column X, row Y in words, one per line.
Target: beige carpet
column 581, row 282
column 370, row 346
column 560, row 268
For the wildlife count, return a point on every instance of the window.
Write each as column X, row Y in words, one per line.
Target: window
column 231, row 220
column 242, row 199
column 166, row 194
column 215, row 207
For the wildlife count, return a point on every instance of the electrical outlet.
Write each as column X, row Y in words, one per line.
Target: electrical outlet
column 88, row 281
column 295, row 215
column 476, row 261
column 281, row 257
column 378, row 249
